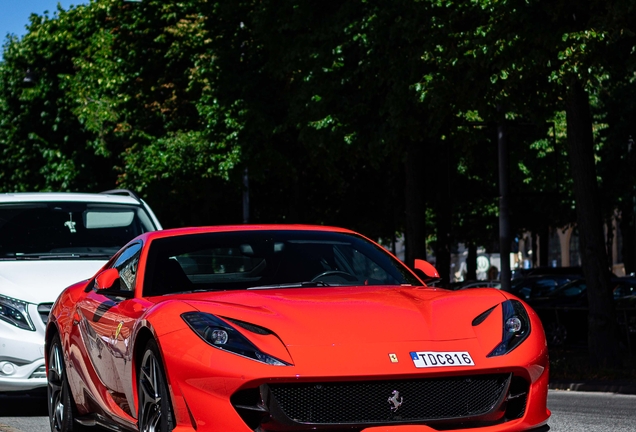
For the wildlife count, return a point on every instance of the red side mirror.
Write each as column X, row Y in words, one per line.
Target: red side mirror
column 106, row 279
column 427, row 268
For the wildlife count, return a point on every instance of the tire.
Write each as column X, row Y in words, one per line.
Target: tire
column 155, row 410
column 59, row 399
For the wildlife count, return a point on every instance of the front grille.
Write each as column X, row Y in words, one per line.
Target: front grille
column 365, row 402
column 517, row 398
column 43, row 310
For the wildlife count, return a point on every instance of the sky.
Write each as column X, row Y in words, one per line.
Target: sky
column 14, row 14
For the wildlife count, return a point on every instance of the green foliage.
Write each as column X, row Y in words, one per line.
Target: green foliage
column 319, row 100
column 115, row 100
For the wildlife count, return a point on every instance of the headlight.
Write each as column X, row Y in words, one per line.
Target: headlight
column 15, row 312
column 221, row 335
column 516, row 327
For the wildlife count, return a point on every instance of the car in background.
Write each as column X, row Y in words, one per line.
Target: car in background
column 564, row 311
column 571, row 273
column 530, row 287
column 287, row 328
column 49, row 241
column 480, row 284
column 626, row 316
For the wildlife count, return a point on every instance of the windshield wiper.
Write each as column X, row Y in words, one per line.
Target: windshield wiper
column 308, row 284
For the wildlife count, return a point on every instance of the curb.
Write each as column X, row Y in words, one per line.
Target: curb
column 585, row 386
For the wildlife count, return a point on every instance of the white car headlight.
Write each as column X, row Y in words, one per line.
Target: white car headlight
column 15, row 312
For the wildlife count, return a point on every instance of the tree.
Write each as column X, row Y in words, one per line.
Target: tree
column 538, row 52
column 114, row 102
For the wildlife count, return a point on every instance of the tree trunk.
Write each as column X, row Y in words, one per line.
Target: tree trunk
column 471, row 262
column 602, row 341
column 535, row 249
column 609, row 241
column 415, row 206
column 505, row 235
column 443, row 213
column 544, row 246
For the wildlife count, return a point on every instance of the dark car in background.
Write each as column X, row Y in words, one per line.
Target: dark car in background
column 564, row 311
column 531, row 287
column 568, row 272
column 479, row 284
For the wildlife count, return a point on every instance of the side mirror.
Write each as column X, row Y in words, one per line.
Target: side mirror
column 427, row 268
column 425, row 271
column 106, row 279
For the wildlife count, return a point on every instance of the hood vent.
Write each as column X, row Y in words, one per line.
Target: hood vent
column 250, row 327
column 482, row 316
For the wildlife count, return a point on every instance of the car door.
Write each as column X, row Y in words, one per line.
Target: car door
column 106, row 320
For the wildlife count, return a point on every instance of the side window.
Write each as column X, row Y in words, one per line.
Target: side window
column 126, row 264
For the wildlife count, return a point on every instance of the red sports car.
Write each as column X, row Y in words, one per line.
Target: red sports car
column 287, row 328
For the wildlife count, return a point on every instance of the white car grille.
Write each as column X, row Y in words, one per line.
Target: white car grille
column 43, row 310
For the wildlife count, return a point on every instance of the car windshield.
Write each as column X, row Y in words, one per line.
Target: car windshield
column 570, row 289
column 68, row 229
column 268, row 259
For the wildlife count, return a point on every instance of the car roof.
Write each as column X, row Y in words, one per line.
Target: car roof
column 26, row 197
column 229, row 228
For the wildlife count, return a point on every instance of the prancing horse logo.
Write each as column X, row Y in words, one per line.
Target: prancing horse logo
column 396, row 400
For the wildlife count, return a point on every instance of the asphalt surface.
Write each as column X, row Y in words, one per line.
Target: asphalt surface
column 23, row 413
column 591, row 411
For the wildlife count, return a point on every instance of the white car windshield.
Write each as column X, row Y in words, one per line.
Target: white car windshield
column 70, row 230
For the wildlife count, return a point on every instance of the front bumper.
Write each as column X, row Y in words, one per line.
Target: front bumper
column 26, row 377
column 233, row 386
column 22, row 356
column 543, row 428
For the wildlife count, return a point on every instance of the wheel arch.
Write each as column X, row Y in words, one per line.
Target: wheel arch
column 143, row 336
column 50, row 332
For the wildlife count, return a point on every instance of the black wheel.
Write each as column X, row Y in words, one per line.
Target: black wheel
column 60, row 402
column 338, row 274
column 155, row 410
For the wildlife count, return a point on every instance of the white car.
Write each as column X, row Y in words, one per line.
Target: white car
column 49, row 241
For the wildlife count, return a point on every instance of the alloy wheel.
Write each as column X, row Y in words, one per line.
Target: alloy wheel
column 57, row 388
column 155, row 414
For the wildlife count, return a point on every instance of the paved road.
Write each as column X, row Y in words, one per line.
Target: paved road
column 591, row 412
column 571, row 411
column 23, row 413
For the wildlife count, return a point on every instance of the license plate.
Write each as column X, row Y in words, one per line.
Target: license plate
column 427, row 359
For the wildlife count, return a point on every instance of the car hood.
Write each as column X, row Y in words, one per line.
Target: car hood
column 326, row 316
column 41, row 281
